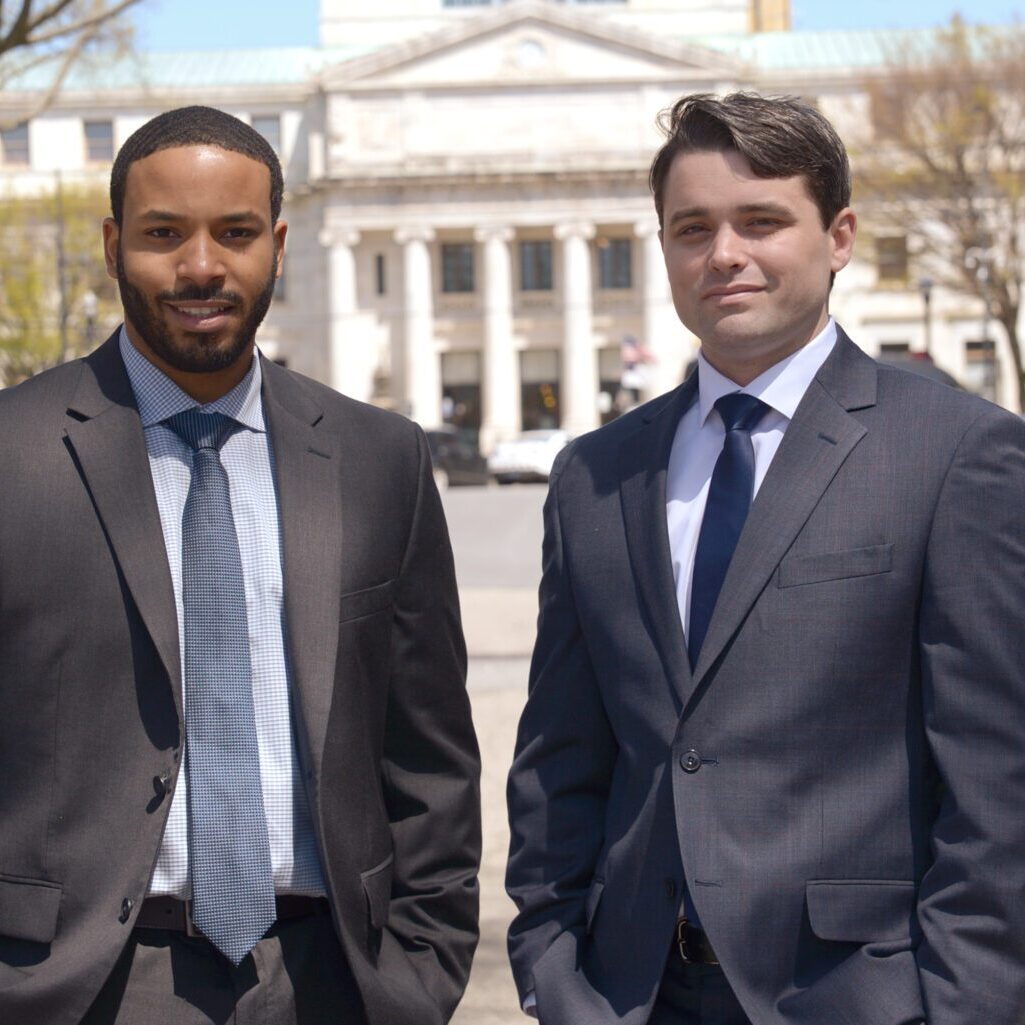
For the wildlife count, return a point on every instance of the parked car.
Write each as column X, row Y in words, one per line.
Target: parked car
column 456, row 457
column 528, row 457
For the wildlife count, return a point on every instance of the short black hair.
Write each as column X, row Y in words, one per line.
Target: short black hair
column 194, row 126
column 779, row 136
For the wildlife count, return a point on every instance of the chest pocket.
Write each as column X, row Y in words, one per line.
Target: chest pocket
column 357, row 604
column 796, row 570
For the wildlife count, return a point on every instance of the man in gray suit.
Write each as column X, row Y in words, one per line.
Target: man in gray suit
column 240, row 781
column 772, row 764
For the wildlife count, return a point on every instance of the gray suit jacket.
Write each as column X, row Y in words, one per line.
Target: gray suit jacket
column 90, row 689
column 851, row 819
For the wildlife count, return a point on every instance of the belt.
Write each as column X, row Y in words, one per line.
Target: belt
column 693, row 944
column 176, row 915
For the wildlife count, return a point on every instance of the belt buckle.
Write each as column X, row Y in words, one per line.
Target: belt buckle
column 190, row 927
column 681, row 940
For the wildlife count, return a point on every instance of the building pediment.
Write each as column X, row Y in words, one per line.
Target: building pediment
column 527, row 41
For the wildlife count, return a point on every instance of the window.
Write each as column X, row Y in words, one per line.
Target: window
column 380, row 282
column 99, row 142
column 14, row 143
column 982, row 372
column 536, row 266
column 893, row 349
column 457, row 267
column 269, row 126
column 615, row 268
column 892, row 258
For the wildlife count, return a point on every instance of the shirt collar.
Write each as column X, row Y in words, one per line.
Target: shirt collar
column 158, row 397
column 781, row 387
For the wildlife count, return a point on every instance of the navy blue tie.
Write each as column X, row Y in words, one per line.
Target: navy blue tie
column 229, row 850
column 729, row 499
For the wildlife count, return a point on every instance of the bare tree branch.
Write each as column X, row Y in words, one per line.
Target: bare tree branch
column 947, row 165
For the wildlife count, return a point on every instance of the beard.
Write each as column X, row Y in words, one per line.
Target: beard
column 193, row 352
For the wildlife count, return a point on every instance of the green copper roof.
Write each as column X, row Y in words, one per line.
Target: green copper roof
column 766, row 51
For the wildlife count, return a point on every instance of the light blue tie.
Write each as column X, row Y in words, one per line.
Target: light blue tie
column 229, row 851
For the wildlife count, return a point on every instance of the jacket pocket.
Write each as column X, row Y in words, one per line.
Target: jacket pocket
column 861, row 910
column 29, row 908
column 377, row 890
column 854, row 562
column 592, row 901
column 356, row 604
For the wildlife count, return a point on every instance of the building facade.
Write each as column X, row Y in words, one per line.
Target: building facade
column 471, row 237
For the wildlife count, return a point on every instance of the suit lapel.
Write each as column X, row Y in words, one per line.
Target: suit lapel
column 105, row 434
column 818, row 440
column 307, row 471
column 644, row 460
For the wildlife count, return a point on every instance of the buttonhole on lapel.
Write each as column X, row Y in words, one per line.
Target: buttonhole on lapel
column 315, row 452
column 708, row 882
column 826, row 437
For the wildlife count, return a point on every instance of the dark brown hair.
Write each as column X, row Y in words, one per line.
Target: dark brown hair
column 779, row 136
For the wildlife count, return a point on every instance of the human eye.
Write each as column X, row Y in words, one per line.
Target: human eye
column 160, row 233
column 238, row 234
column 691, row 230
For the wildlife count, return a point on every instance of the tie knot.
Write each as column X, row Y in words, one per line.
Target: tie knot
column 740, row 412
column 201, row 430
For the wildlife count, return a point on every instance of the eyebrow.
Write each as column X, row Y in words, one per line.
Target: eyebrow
column 747, row 208
column 239, row 217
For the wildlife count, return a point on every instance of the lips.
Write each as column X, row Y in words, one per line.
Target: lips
column 201, row 316
column 728, row 293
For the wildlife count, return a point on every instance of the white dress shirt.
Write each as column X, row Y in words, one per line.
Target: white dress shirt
column 249, row 463
column 699, row 440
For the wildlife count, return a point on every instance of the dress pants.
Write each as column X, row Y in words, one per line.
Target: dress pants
column 695, row 995
column 296, row 975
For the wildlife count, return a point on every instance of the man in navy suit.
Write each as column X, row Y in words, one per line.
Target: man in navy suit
column 772, row 765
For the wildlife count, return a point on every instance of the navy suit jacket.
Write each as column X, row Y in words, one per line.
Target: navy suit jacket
column 840, row 782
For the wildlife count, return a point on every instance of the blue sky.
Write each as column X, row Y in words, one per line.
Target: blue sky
column 223, row 24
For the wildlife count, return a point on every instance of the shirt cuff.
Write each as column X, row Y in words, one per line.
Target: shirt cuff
column 530, row 1005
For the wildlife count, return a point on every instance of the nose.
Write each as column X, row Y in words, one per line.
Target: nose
column 200, row 260
column 726, row 253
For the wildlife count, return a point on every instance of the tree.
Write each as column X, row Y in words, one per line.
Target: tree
column 53, row 34
column 947, row 165
column 56, row 300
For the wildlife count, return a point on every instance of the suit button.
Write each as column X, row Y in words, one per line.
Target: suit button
column 690, row 762
column 163, row 783
column 670, row 888
column 126, row 910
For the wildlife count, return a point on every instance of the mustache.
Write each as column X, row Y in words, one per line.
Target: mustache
column 194, row 293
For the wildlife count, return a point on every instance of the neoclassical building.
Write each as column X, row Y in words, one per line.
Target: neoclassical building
column 471, row 236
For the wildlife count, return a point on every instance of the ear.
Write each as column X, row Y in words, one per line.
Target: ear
column 111, row 239
column 841, row 233
column 280, row 231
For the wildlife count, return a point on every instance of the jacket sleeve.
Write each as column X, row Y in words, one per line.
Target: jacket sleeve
column 430, row 762
column 972, row 645
column 561, row 773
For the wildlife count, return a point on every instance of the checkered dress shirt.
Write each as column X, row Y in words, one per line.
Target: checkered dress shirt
column 249, row 461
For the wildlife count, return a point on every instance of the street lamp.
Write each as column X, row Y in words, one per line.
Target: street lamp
column 925, row 288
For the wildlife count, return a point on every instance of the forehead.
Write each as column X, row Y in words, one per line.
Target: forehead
column 200, row 177
column 718, row 178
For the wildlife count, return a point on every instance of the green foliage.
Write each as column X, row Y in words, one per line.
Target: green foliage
column 34, row 303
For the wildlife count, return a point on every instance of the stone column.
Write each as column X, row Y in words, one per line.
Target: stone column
column 578, row 389
column 501, row 376
column 347, row 353
column 418, row 372
column 664, row 336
